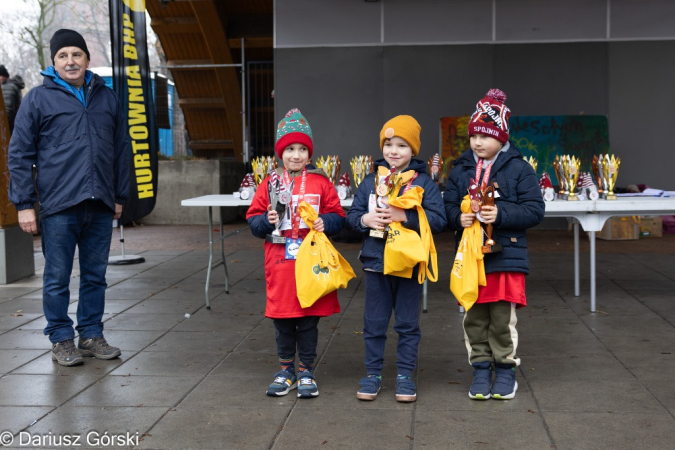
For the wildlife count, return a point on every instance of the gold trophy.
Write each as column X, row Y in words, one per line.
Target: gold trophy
column 261, row 166
column 599, row 176
column 385, row 186
column 361, row 166
column 610, row 169
column 560, row 177
column 532, row 161
column 571, row 168
column 436, row 168
column 331, row 166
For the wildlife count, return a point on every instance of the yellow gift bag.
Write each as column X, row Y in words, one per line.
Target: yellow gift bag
column 405, row 248
column 319, row 268
column 468, row 270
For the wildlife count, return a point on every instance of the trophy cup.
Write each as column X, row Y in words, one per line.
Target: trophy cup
column 261, row 166
column 331, row 166
column 560, row 177
column 571, row 168
column 361, row 166
column 610, row 169
column 385, row 186
column 279, row 197
column 487, row 195
column 436, row 168
column 532, row 161
column 599, row 176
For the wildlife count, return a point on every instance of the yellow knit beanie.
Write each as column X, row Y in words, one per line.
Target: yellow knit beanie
column 405, row 127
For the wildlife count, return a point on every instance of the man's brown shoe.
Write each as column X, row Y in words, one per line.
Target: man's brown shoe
column 98, row 347
column 66, row 354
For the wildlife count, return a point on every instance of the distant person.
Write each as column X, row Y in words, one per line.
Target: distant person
column 74, row 130
column 296, row 327
column 11, row 94
column 490, row 324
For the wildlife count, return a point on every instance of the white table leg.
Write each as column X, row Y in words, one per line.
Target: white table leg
column 576, row 260
column 208, row 271
column 592, row 235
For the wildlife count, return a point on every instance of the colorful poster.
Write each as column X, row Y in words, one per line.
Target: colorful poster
column 542, row 137
column 131, row 81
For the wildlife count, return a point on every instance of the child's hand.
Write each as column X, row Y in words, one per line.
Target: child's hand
column 467, row 219
column 377, row 219
column 397, row 214
column 317, row 225
column 489, row 213
column 272, row 215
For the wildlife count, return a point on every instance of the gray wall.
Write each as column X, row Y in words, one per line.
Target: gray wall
column 347, row 93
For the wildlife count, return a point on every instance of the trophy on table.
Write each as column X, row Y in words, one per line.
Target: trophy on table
column 610, row 170
column 361, row 166
column 571, row 166
column 532, row 161
column 331, row 166
column 563, row 189
column 596, row 164
column 480, row 196
column 436, row 168
column 261, row 166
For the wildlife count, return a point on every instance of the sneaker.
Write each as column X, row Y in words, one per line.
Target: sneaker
column 482, row 381
column 66, row 354
column 406, row 391
column 98, row 347
column 283, row 383
column 307, row 387
column 370, row 387
column 505, row 385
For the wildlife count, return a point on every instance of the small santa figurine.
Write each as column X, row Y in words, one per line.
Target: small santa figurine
column 587, row 189
column 247, row 188
column 546, row 187
column 344, row 189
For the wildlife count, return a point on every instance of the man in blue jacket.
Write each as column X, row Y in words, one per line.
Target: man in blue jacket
column 72, row 129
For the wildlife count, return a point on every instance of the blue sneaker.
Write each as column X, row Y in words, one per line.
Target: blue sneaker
column 505, row 385
column 283, row 383
column 482, row 381
column 370, row 387
column 406, row 391
column 307, row 387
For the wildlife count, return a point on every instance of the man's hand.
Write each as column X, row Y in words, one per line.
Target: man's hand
column 118, row 211
column 27, row 221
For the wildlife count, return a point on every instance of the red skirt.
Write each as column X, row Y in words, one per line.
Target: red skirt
column 508, row 286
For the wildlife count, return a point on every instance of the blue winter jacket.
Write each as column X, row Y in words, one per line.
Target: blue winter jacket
column 519, row 206
column 372, row 249
column 81, row 152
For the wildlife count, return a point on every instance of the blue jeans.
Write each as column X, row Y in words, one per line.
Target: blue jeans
column 384, row 294
column 87, row 225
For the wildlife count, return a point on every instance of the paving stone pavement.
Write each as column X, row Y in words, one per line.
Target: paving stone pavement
column 587, row 381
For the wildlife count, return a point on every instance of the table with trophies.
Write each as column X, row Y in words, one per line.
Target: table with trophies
column 579, row 199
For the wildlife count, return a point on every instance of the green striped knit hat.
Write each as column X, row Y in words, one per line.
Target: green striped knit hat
column 293, row 129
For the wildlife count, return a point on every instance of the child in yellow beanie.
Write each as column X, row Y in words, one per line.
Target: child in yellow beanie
column 371, row 214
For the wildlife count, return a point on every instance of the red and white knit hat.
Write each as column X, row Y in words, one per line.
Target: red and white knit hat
column 491, row 117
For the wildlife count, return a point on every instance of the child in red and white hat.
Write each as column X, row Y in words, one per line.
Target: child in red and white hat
column 490, row 324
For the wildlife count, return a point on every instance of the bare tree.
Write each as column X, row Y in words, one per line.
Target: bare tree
column 36, row 34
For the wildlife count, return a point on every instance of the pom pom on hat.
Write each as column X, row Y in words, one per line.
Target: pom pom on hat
column 405, row 127
column 491, row 117
column 293, row 129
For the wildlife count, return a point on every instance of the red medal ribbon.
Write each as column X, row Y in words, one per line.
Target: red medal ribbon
column 301, row 197
column 486, row 176
column 409, row 185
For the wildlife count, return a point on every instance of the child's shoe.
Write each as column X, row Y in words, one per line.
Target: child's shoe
column 307, row 387
column 283, row 382
column 370, row 387
column 406, row 391
column 482, row 381
column 505, row 385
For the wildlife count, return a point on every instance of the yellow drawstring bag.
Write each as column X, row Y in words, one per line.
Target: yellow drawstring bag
column 319, row 268
column 405, row 248
column 468, row 270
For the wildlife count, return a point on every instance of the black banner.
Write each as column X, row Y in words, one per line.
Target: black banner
column 131, row 81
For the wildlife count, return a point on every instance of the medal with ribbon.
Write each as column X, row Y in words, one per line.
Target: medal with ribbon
column 293, row 243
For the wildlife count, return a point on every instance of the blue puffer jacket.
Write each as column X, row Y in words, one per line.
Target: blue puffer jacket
column 519, row 206
column 372, row 249
column 81, row 152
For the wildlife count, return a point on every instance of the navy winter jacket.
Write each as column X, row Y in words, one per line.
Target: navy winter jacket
column 519, row 206
column 372, row 249
column 80, row 152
